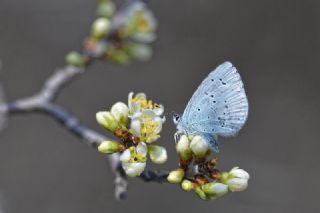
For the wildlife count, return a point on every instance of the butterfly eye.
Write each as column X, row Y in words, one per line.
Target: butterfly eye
column 176, row 118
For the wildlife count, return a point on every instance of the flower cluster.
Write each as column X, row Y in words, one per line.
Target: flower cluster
column 137, row 125
column 118, row 35
column 198, row 174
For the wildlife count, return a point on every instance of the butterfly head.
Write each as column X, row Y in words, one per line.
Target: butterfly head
column 176, row 118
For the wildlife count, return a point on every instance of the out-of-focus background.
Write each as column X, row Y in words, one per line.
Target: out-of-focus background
column 274, row 44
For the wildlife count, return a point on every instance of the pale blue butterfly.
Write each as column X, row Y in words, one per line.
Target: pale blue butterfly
column 219, row 107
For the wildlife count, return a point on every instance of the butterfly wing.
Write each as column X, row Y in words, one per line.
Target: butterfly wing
column 219, row 105
column 212, row 141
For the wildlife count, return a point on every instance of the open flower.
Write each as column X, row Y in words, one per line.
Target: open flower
column 141, row 23
column 135, row 135
column 139, row 104
column 146, row 122
column 134, row 160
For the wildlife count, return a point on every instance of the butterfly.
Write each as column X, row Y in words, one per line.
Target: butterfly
column 219, row 107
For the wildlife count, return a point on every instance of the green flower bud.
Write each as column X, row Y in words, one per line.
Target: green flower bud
column 201, row 194
column 215, row 189
column 107, row 120
column 186, row 185
column 109, row 147
column 199, row 146
column 224, row 177
column 106, row 9
column 120, row 111
column 175, row 176
column 75, row 59
column 118, row 56
column 183, row 149
column 100, row 28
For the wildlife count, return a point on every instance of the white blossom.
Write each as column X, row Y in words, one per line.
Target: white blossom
column 141, row 23
column 134, row 160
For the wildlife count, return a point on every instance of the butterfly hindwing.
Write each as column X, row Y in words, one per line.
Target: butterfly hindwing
column 213, row 143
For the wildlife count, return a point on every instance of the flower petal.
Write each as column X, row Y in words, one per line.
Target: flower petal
column 149, row 113
column 135, row 127
column 237, row 184
column 125, row 156
column 133, row 169
column 159, row 121
column 141, row 95
column 159, row 110
column 142, row 149
column 158, row 154
column 239, row 173
column 199, row 146
column 130, row 96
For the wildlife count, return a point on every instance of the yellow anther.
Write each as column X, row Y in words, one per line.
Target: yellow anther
column 141, row 158
column 132, row 150
column 142, row 23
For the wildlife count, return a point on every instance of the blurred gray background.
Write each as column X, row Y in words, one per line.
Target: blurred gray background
column 275, row 45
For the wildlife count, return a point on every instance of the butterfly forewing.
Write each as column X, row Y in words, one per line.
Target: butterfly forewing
column 219, row 105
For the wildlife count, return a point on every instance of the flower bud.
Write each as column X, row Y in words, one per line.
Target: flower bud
column 175, row 176
column 236, row 179
column 106, row 9
column 158, row 154
column 201, row 194
column 216, row 189
column 183, row 149
column 186, row 185
column 120, row 111
column 135, row 127
column 118, row 56
column 107, row 120
column 199, row 146
column 239, row 173
column 75, row 59
column 109, row 147
column 100, row 28
column 237, row 184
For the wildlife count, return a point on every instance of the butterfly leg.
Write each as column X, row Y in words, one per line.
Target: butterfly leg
column 177, row 136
